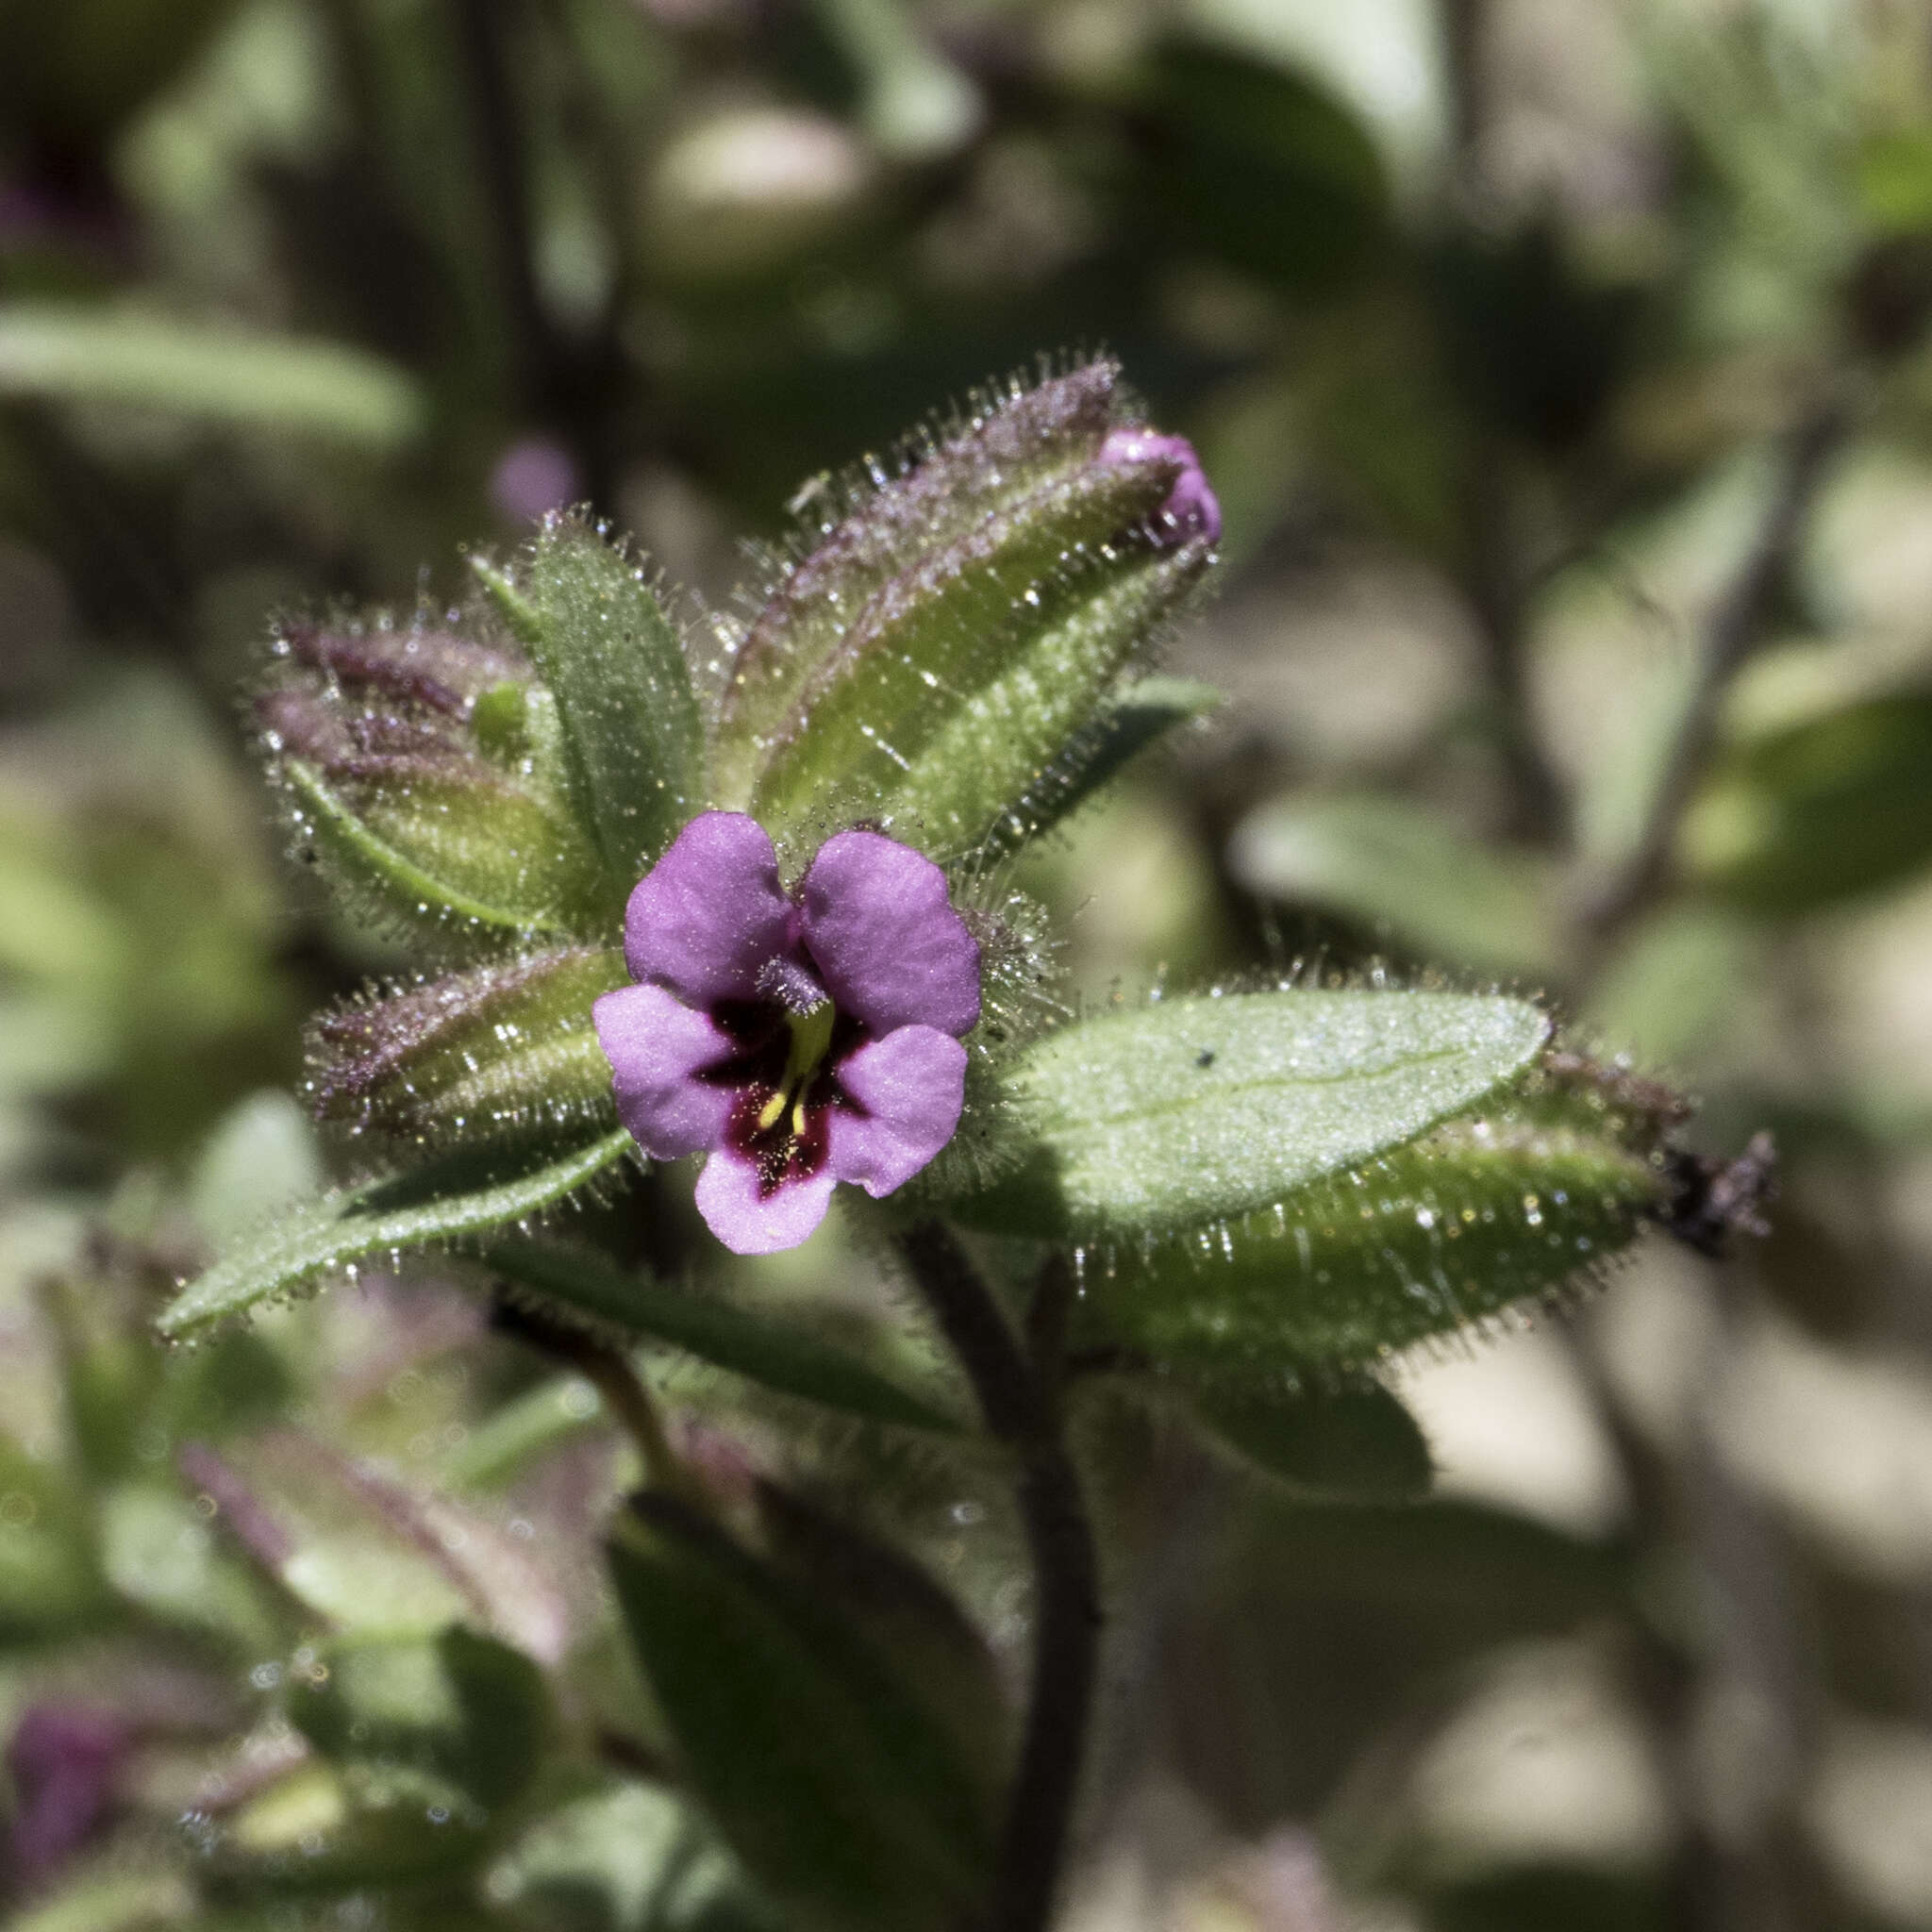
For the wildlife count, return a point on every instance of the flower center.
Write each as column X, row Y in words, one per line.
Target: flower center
column 811, row 1037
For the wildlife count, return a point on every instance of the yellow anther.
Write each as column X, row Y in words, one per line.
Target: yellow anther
column 811, row 1035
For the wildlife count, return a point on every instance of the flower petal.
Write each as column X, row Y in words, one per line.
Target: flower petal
column 657, row 1048
column 709, row 915
column 1191, row 508
column 750, row 1222
column 912, row 1085
column 885, row 938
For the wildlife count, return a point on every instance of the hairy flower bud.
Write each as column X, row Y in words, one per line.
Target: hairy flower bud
column 1482, row 1214
column 947, row 639
column 498, row 1051
column 414, row 763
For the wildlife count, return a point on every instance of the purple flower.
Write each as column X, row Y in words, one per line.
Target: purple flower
column 800, row 1038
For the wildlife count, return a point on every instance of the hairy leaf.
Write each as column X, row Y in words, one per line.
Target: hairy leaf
column 472, row 1055
column 1007, row 740
column 1125, row 726
column 1191, row 1110
column 956, row 621
column 471, row 1194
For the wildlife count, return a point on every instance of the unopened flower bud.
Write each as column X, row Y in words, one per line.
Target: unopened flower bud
column 949, row 636
column 427, row 819
column 498, row 1051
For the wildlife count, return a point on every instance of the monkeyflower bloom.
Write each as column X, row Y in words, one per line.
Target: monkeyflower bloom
column 800, row 1038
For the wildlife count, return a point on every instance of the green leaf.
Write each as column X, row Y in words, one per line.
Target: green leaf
column 1393, row 865
column 1011, row 445
column 51, row 1584
column 459, row 1706
column 495, row 1452
column 468, row 1194
column 329, row 1828
column 1348, row 1442
column 159, row 1554
column 1052, row 574
column 1894, row 174
column 1264, row 167
column 63, row 353
column 629, row 1857
column 117, row 1902
column 633, row 742
column 1819, row 812
column 260, row 1156
column 830, row 1781
column 90, row 66
column 1434, row 1236
column 1192, row 1109
column 773, row 1353
column 941, row 1658
column 1533, row 1897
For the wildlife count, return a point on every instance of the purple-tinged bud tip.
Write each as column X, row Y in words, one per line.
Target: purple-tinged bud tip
column 1191, row 508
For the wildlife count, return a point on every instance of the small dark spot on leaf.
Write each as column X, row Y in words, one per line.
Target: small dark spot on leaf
column 1205, row 1058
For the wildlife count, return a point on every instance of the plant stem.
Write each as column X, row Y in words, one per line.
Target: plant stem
column 1736, row 628
column 618, row 1383
column 569, row 386
column 1019, row 1399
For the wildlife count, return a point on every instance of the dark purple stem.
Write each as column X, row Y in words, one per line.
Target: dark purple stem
column 1019, row 1399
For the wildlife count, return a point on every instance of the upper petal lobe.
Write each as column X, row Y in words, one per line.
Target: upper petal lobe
column 910, row 1086
column 657, row 1048
column 709, row 915
column 886, row 939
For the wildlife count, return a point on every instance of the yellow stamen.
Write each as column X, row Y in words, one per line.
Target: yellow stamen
column 811, row 1035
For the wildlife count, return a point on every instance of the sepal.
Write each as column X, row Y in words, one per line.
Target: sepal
column 628, row 723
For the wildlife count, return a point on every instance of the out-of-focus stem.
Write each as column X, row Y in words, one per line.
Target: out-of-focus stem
column 1736, row 628
column 618, row 1385
column 1019, row 1399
